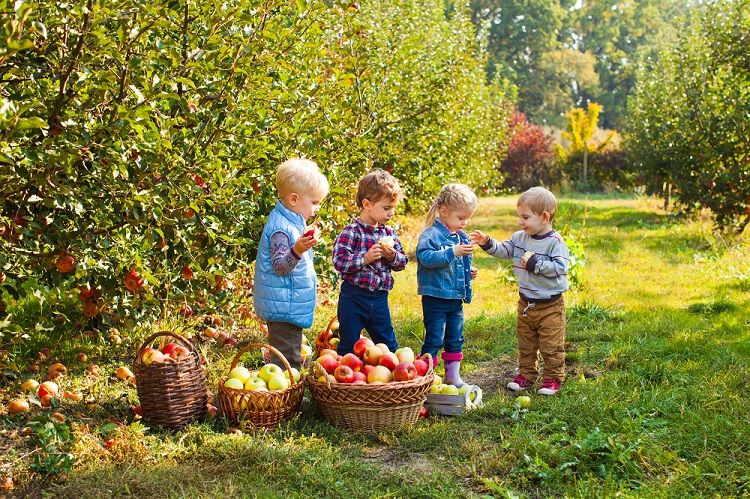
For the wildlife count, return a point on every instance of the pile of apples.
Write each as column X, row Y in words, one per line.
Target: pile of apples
column 269, row 378
column 370, row 364
column 171, row 352
column 438, row 387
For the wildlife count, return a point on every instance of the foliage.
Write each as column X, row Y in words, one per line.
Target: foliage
column 53, row 439
column 138, row 141
column 530, row 159
column 687, row 121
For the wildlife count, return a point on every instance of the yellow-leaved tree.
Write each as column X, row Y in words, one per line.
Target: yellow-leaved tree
column 580, row 134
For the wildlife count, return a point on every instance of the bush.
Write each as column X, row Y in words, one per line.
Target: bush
column 530, row 160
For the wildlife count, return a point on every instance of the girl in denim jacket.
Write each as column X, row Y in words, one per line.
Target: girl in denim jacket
column 444, row 275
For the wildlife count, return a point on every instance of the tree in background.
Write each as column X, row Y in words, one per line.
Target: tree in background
column 688, row 118
column 530, row 160
column 582, row 126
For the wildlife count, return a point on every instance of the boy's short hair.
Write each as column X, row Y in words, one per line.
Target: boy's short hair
column 376, row 185
column 538, row 199
column 301, row 176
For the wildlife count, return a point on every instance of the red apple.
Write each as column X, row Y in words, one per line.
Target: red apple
column 48, row 388
column 65, row 263
column 186, row 310
column 328, row 351
column 168, row 348
column 389, row 360
column 352, row 361
column 380, row 374
column 360, row 376
column 180, row 353
column 90, row 309
column 328, row 362
column 423, row 412
column 372, row 355
column 361, row 346
column 344, row 374
column 421, row 367
column 367, row 369
column 405, row 371
column 133, row 281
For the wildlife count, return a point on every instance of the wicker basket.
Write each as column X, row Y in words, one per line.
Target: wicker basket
column 323, row 340
column 371, row 407
column 261, row 409
column 172, row 394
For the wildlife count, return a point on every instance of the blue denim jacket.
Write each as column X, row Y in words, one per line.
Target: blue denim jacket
column 440, row 273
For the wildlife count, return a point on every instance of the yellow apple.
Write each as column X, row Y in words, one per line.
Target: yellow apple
column 268, row 371
column 278, row 383
column 241, row 373
column 234, row 383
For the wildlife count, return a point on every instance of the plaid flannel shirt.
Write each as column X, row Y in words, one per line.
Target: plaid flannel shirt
column 349, row 256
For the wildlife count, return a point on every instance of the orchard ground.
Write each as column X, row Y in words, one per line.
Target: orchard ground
column 658, row 348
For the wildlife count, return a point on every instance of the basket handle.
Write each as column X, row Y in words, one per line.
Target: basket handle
column 324, row 337
column 278, row 354
column 181, row 339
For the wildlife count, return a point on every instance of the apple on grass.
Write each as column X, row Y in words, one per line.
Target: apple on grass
column 241, row 373
column 268, row 371
column 524, row 401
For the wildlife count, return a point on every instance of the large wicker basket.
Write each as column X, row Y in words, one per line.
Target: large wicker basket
column 323, row 340
column 371, row 407
column 172, row 394
column 261, row 409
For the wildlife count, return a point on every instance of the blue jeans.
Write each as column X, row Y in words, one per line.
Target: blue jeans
column 443, row 324
column 359, row 308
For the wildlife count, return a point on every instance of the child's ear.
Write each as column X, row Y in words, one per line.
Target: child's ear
column 546, row 217
column 366, row 204
column 293, row 198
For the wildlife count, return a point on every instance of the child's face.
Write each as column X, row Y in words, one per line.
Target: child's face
column 379, row 212
column 455, row 220
column 306, row 205
column 530, row 222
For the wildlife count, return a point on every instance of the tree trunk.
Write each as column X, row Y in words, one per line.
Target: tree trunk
column 742, row 226
column 585, row 167
column 667, row 188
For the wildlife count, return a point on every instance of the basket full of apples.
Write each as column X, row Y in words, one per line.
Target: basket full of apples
column 328, row 338
column 262, row 398
column 170, row 382
column 371, row 389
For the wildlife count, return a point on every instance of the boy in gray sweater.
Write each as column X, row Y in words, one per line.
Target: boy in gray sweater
column 540, row 262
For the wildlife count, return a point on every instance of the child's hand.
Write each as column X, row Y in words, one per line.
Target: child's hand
column 474, row 272
column 463, row 249
column 479, row 237
column 374, row 254
column 525, row 258
column 388, row 252
column 304, row 243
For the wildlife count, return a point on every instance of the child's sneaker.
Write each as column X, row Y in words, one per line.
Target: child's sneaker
column 519, row 384
column 550, row 387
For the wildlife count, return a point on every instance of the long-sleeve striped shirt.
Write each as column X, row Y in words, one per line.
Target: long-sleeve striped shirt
column 545, row 275
column 349, row 256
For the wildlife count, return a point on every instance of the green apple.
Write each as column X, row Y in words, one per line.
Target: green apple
column 241, row 373
column 278, row 383
column 234, row 383
column 524, row 401
column 295, row 374
column 255, row 384
column 462, row 389
column 268, row 371
column 437, row 380
column 435, row 389
column 449, row 390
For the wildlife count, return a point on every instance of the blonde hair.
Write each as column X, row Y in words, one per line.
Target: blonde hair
column 376, row 185
column 539, row 200
column 453, row 197
column 301, row 176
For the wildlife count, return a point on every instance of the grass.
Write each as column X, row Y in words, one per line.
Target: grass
column 655, row 405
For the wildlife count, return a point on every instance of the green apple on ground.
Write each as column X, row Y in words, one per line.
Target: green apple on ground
column 268, row 371
column 524, row 401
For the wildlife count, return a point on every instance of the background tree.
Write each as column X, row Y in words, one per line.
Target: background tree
column 687, row 121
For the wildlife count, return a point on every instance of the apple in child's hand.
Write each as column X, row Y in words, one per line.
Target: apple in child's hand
column 528, row 255
column 387, row 241
column 311, row 231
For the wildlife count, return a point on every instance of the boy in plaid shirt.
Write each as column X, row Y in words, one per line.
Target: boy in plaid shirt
column 365, row 254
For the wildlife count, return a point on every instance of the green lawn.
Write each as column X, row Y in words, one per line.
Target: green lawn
column 656, row 403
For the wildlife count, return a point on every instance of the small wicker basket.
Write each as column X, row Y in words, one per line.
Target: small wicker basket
column 371, row 407
column 172, row 394
column 261, row 409
column 323, row 340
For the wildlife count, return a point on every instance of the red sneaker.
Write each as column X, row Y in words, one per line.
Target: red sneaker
column 550, row 387
column 519, row 384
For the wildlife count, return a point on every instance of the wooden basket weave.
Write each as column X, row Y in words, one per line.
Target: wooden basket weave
column 371, row 407
column 323, row 340
column 172, row 394
column 261, row 409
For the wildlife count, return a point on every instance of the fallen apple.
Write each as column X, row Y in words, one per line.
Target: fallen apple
column 30, row 385
column 123, row 373
column 524, row 401
column 17, row 406
column 48, row 388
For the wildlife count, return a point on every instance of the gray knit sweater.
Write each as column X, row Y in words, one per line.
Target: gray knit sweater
column 545, row 276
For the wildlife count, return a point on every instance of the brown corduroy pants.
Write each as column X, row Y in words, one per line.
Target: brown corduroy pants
column 540, row 329
column 287, row 339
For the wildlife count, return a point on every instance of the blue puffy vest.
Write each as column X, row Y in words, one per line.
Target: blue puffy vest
column 284, row 298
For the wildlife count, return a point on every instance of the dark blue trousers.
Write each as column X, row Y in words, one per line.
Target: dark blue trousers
column 362, row 309
column 443, row 324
